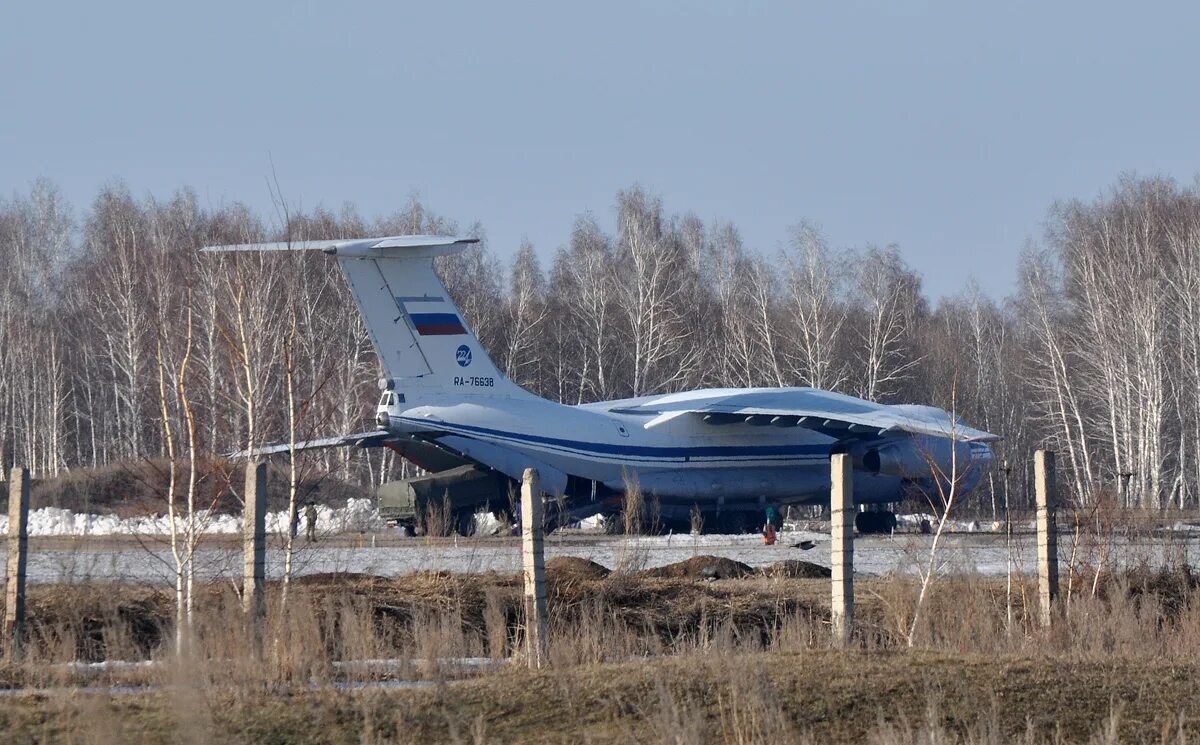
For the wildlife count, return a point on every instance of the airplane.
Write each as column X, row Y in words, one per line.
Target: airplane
column 735, row 455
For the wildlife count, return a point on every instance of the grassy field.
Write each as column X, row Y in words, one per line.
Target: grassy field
column 815, row 696
column 657, row 656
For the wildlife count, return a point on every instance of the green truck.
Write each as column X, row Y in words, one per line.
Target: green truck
column 444, row 502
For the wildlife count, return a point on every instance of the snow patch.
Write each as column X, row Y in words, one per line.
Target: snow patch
column 358, row 516
column 913, row 522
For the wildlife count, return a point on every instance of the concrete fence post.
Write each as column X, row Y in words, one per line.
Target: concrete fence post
column 18, row 555
column 254, row 536
column 1047, row 534
column 841, row 547
column 534, row 563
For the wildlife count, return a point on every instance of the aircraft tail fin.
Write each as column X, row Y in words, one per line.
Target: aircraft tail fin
column 422, row 340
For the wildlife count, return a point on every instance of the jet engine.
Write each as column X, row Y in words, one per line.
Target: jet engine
column 918, row 458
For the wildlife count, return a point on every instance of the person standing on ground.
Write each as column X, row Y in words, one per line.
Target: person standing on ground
column 310, row 521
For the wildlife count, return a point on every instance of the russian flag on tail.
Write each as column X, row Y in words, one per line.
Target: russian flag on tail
column 437, row 324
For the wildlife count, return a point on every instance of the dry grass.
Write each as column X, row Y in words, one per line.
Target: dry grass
column 667, row 611
column 634, row 657
column 818, row 696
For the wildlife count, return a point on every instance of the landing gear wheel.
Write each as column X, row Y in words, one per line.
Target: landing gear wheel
column 730, row 523
column 875, row 522
column 464, row 522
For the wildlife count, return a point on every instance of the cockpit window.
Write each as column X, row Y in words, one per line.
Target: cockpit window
column 389, row 398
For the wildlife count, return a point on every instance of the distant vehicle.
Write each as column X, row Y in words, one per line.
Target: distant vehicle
column 733, row 454
column 450, row 498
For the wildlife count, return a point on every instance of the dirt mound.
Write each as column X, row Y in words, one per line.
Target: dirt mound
column 137, row 487
column 573, row 567
column 796, row 569
column 124, row 487
column 701, row 567
column 342, row 579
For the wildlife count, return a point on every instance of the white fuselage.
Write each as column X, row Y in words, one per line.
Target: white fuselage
column 682, row 459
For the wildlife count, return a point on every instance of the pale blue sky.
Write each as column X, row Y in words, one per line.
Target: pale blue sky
column 948, row 128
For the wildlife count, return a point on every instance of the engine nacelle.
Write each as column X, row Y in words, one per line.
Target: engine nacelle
column 918, row 458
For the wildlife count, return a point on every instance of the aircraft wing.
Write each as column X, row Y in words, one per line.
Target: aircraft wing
column 830, row 413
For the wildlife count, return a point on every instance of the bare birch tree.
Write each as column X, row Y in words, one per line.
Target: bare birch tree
column 817, row 316
column 890, row 304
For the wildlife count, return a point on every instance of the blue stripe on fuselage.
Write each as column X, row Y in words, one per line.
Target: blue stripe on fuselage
column 639, row 451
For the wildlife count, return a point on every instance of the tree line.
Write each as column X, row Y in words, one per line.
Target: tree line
column 119, row 341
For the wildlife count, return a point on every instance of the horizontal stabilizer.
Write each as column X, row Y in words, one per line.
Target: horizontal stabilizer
column 396, row 246
column 376, row 438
